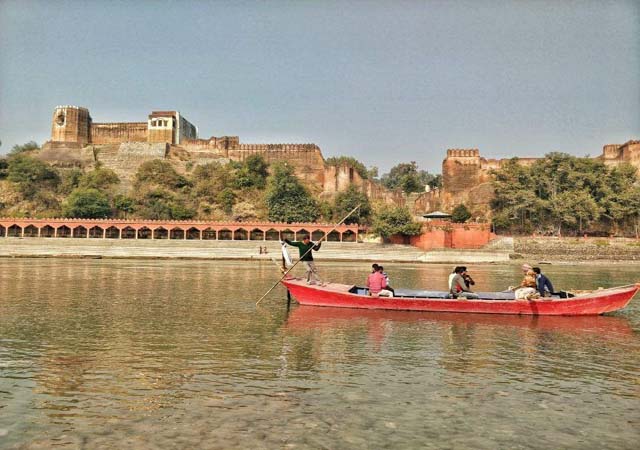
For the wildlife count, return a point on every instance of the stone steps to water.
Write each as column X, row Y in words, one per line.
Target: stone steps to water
column 250, row 250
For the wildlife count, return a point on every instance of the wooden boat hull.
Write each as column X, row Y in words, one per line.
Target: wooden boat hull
column 338, row 295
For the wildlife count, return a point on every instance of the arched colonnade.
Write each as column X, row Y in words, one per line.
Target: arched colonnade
column 173, row 230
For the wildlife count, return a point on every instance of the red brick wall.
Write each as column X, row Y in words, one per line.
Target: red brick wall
column 452, row 235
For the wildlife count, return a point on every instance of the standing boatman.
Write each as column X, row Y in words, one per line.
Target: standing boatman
column 306, row 248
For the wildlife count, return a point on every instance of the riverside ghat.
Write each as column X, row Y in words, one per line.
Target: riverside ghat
column 119, row 238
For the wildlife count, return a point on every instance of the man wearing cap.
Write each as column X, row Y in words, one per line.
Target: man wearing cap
column 305, row 249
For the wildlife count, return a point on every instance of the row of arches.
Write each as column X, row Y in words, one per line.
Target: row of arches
column 161, row 232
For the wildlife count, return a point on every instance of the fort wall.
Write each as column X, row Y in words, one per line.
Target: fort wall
column 123, row 146
column 118, row 132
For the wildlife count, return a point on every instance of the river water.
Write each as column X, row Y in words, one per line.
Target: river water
column 174, row 354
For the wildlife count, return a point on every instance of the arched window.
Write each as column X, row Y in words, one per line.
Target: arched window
column 80, row 232
column 128, row 233
column 47, row 231
column 317, row 235
column 240, row 235
column 144, row 233
column 256, row 235
column 287, row 234
column 63, row 231
column 209, row 234
column 14, row 231
column 193, row 233
column 95, row 232
column 176, row 233
column 334, row 236
column 160, row 233
column 30, row 231
column 348, row 236
column 112, row 233
column 224, row 235
column 273, row 235
column 301, row 234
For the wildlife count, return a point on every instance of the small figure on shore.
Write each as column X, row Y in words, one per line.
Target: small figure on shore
column 377, row 283
column 458, row 288
column 305, row 249
column 543, row 283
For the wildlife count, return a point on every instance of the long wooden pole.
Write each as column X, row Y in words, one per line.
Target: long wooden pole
column 305, row 253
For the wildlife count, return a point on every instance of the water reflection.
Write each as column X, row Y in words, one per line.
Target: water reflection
column 145, row 354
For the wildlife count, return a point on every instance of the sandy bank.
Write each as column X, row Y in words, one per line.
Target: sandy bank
column 244, row 250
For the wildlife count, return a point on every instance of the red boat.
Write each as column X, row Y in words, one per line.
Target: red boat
column 349, row 296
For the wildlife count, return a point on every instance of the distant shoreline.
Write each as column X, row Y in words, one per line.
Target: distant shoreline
column 533, row 250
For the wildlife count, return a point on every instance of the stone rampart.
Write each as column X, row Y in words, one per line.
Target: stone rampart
column 118, row 132
column 126, row 158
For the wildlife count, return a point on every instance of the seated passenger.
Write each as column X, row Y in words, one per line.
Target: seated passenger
column 528, row 288
column 377, row 284
column 543, row 284
column 386, row 278
column 467, row 278
column 458, row 288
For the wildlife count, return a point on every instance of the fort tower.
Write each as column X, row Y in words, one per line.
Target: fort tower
column 71, row 124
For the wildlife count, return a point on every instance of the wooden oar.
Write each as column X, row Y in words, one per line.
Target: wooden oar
column 305, row 253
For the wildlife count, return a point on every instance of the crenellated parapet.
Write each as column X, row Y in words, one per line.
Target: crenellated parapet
column 463, row 153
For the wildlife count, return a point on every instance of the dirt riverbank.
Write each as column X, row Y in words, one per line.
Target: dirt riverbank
column 576, row 249
column 502, row 251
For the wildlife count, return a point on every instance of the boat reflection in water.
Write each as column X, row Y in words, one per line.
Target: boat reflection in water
column 381, row 324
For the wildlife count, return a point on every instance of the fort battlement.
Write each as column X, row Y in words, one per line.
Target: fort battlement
column 463, row 153
column 123, row 146
column 466, row 176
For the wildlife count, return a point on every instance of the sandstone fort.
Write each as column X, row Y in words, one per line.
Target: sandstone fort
column 78, row 141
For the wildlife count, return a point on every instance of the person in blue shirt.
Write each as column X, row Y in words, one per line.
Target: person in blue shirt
column 543, row 284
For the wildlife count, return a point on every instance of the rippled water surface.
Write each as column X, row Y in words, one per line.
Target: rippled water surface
column 174, row 354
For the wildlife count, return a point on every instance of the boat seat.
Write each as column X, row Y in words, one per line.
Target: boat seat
column 420, row 293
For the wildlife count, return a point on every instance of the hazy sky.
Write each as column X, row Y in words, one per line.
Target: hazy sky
column 383, row 81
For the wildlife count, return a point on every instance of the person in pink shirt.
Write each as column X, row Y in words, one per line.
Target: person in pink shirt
column 377, row 282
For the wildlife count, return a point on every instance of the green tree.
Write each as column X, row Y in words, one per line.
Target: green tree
column 252, row 173
column 347, row 201
column 390, row 220
column 86, row 204
column 460, row 214
column 351, row 162
column 575, row 209
column 161, row 204
column 287, row 199
column 258, row 169
column 100, row 178
column 124, row 205
column 4, row 168
column 209, row 180
column 69, row 180
column 618, row 202
column 226, row 198
column 160, row 172
column 28, row 147
column 407, row 177
column 31, row 174
column 515, row 202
